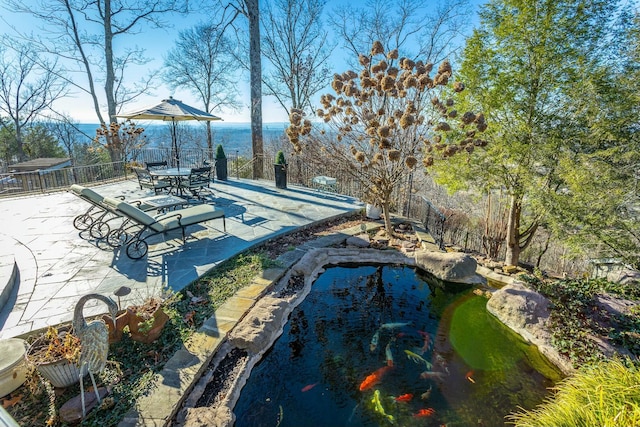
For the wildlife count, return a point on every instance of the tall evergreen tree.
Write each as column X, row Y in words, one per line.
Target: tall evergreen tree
column 524, row 66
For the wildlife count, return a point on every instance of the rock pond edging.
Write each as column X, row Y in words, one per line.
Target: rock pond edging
column 527, row 313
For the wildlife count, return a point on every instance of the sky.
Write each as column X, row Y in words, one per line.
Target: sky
column 156, row 43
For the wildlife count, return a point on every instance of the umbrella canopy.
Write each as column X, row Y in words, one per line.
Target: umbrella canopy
column 171, row 110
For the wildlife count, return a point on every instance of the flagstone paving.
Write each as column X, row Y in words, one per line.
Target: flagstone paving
column 56, row 263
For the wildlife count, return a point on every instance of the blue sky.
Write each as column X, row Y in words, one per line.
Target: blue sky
column 157, row 42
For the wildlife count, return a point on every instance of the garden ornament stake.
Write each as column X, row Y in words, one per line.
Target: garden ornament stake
column 94, row 339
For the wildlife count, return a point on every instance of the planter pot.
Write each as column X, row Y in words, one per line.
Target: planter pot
column 373, row 211
column 281, row 175
column 60, row 373
column 115, row 332
column 13, row 366
column 221, row 169
column 139, row 328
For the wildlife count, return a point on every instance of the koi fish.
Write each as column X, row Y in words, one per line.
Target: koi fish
column 374, row 341
column 427, row 394
column 431, row 374
column 387, row 351
column 308, row 387
column 468, row 377
column 427, row 342
column 417, row 358
column 404, row 398
column 395, row 325
column 422, row 413
column 374, row 378
column 377, row 406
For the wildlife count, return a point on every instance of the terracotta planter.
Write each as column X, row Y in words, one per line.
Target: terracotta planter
column 145, row 335
column 122, row 320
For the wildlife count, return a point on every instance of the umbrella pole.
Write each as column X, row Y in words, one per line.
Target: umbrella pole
column 175, row 142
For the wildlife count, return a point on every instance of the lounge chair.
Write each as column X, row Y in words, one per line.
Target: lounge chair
column 136, row 245
column 96, row 218
column 197, row 182
column 145, row 180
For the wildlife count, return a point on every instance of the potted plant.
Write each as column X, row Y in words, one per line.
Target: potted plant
column 147, row 320
column 280, row 170
column 221, row 163
column 56, row 356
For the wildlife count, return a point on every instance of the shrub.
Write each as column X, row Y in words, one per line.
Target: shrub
column 220, row 152
column 604, row 394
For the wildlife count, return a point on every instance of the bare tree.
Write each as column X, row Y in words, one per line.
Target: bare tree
column 425, row 30
column 295, row 43
column 251, row 10
column 27, row 89
column 83, row 32
column 387, row 117
column 203, row 61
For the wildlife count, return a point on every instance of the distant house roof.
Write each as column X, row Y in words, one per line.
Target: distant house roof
column 44, row 163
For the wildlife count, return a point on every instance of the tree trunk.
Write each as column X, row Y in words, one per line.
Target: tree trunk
column 256, row 87
column 209, row 141
column 386, row 214
column 115, row 151
column 512, row 255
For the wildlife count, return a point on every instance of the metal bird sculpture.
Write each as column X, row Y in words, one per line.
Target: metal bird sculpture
column 94, row 339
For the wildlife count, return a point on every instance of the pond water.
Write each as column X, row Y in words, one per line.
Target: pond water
column 384, row 345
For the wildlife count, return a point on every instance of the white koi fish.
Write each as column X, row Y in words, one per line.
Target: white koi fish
column 417, row 358
column 387, row 351
column 395, row 325
column 431, row 374
column 374, row 341
column 427, row 394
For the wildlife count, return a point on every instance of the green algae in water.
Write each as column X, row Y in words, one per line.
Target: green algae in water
column 485, row 343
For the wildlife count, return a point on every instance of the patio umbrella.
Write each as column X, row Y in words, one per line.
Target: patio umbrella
column 171, row 110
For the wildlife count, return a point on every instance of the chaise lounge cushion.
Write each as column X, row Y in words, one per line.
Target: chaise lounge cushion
column 86, row 193
column 139, row 216
column 171, row 220
column 189, row 216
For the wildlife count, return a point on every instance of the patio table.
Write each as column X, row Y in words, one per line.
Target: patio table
column 161, row 203
column 325, row 183
column 174, row 175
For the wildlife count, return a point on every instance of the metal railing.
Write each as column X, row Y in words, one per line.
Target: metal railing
column 45, row 181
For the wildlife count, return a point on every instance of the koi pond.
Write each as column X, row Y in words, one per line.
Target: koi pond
column 382, row 345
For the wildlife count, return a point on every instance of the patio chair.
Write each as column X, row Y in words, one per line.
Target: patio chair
column 145, row 180
column 96, row 218
column 150, row 166
column 147, row 225
column 198, row 181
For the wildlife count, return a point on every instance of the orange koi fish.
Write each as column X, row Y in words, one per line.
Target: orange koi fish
column 404, row 398
column 468, row 377
column 422, row 413
column 374, row 378
column 308, row 387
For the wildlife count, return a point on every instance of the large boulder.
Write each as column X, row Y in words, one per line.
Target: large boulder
column 527, row 313
column 261, row 326
column 449, row 266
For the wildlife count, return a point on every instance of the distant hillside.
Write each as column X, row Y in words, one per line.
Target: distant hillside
column 233, row 136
